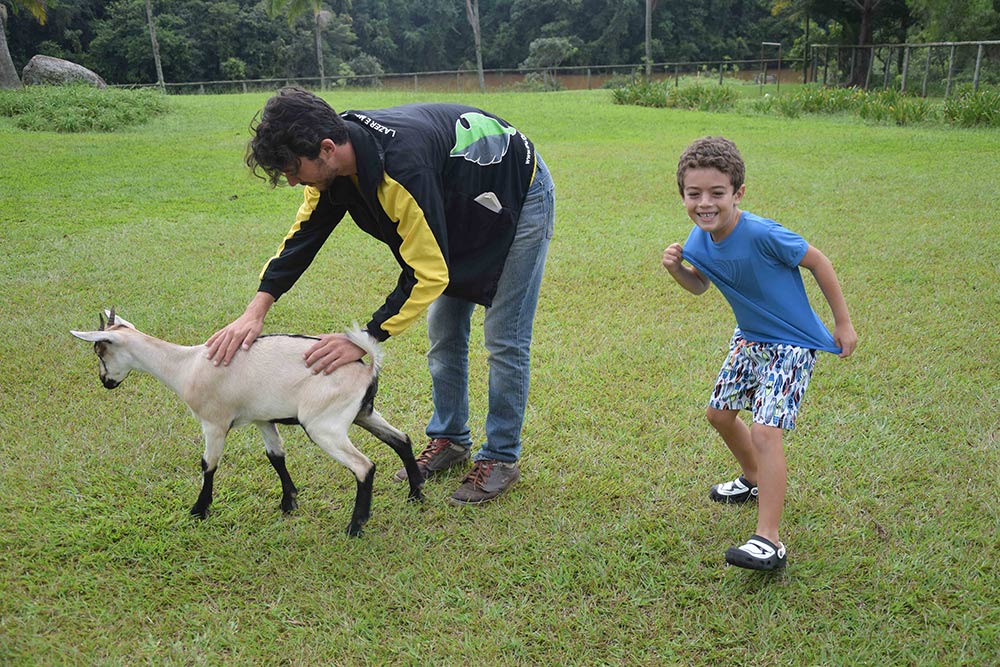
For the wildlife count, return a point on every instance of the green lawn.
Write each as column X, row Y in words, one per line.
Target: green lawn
column 608, row 551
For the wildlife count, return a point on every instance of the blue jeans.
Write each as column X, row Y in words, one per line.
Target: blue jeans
column 507, row 332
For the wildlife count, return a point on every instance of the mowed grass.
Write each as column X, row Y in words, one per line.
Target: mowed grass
column 608, row 551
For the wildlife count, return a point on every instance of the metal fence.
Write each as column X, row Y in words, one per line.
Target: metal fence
column 932, row 69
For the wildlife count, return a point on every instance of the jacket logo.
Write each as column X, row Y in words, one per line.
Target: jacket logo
column 481, row 139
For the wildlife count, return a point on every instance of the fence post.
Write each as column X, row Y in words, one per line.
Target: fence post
column 720, row 73
column 906, row 67
column 885, row 70
column 871, row 66
column 826, row 64
column 951, row 71
column 975, row 77
column 415, row 83
column 588, row 78
column 927, row 72
column 677, row 76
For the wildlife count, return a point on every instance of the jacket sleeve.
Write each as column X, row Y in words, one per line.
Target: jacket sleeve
column 315, row 219
column 417, row 210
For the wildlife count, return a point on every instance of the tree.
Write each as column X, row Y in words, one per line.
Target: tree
column 321, row 20
column 8, row 73
column 547, row 53
column 156, row 46
column 472, row 10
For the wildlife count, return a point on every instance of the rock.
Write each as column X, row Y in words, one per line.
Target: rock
column 45, row 70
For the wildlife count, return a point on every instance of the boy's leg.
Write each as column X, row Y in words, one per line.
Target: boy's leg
column 736, row 435
column 771, row 479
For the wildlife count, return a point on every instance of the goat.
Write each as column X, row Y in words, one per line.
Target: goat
column 267, row 385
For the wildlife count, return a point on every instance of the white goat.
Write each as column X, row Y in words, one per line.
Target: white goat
column 266, row 385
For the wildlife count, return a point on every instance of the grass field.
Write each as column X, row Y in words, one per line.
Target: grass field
column 608, row 551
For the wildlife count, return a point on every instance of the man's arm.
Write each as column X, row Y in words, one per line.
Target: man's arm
column 242, row 332
column 822, row 270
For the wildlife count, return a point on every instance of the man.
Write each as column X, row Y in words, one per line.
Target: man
column 467, row 208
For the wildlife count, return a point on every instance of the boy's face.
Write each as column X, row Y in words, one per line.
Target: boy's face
column 711, row 202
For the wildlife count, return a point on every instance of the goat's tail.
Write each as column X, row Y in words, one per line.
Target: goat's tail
column 371, row 346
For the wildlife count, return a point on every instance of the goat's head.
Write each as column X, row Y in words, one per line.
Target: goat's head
column 109, row 345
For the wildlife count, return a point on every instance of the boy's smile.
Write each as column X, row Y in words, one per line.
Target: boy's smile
column 711, row 202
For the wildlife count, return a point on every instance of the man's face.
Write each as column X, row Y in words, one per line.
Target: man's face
column 316, row 173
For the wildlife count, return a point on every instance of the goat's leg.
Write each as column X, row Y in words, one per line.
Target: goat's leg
column 334, row 441
column 276, row 455
column 215, row 439
column 375, row 424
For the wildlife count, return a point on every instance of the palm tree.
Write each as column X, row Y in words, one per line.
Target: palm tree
column 472, row 12
column 8, row 73
column 321, row 18
column 156, row 45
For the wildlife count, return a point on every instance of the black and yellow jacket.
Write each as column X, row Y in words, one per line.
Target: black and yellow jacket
column 441, row 184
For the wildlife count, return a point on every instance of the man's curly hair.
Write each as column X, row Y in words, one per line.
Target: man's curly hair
column 712, row 153
column 289, row 128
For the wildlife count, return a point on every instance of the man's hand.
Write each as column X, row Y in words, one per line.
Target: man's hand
column 241, row 333
column 331, row 352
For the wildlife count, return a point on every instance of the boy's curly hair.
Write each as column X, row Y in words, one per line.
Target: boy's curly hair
column 291, row 127
column 712, row 153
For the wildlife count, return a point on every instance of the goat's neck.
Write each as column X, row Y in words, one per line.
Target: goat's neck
column 169, row 363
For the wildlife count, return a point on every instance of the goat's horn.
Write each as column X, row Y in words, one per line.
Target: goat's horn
column 101, row 316
column 111, row 317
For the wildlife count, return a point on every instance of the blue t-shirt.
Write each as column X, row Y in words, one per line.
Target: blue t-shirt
column 756, row 268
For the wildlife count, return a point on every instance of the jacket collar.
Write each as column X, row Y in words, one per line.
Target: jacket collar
column 368, row 153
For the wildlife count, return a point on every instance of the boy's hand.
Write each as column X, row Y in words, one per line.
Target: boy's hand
column 672, row 257
column 845, row 337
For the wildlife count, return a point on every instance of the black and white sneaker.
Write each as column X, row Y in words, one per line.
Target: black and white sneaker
column 737, row 491
column 759, row 553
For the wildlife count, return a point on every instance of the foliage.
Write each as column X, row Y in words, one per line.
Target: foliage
column 891, row 106
column 640, row 93
column 702, row 97
column 607, row 552
column 971, row 109
column 80, row 108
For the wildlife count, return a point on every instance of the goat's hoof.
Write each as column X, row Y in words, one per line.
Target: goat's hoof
column 415, row 497
column 289, row 505
column 199, row 512
column 354, row 530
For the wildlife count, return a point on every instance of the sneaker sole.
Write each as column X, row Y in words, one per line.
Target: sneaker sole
column 740, row 558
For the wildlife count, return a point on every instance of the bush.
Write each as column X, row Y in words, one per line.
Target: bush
column 971, row 109
column 703, row 98
column 891, row 106
column 80, row 108
column 641, row 93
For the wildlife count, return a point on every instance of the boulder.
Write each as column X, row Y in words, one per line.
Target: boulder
column 46, row 70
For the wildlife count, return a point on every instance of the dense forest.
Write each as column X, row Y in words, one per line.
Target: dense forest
column 202, row 40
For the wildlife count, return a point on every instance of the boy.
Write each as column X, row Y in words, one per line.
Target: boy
column 755, row 264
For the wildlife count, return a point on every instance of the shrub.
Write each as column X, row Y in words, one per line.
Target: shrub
column 641, row 93
column 971, row 109
column 80, row 108
column 702, row 98
column 891, row 106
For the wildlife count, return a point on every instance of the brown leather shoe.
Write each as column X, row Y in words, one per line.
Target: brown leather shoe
column 439, row 454
column 487, row 480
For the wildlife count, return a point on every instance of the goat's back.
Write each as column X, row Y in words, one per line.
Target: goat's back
column 270, row 381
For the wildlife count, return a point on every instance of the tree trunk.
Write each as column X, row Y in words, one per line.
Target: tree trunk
column 319, row 53
column 156, row 46
column 649, row 40
column 472, row 12
column 8, row 73
column 865, row 55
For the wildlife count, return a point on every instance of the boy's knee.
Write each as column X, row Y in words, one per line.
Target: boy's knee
column 720, row 418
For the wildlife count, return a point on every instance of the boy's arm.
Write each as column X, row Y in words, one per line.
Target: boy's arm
column 687, row 277
column 822, row 270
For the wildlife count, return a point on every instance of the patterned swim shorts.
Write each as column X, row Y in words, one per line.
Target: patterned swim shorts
column 768, row 378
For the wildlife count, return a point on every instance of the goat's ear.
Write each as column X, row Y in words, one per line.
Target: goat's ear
column 96, row 336
column 114, row 319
